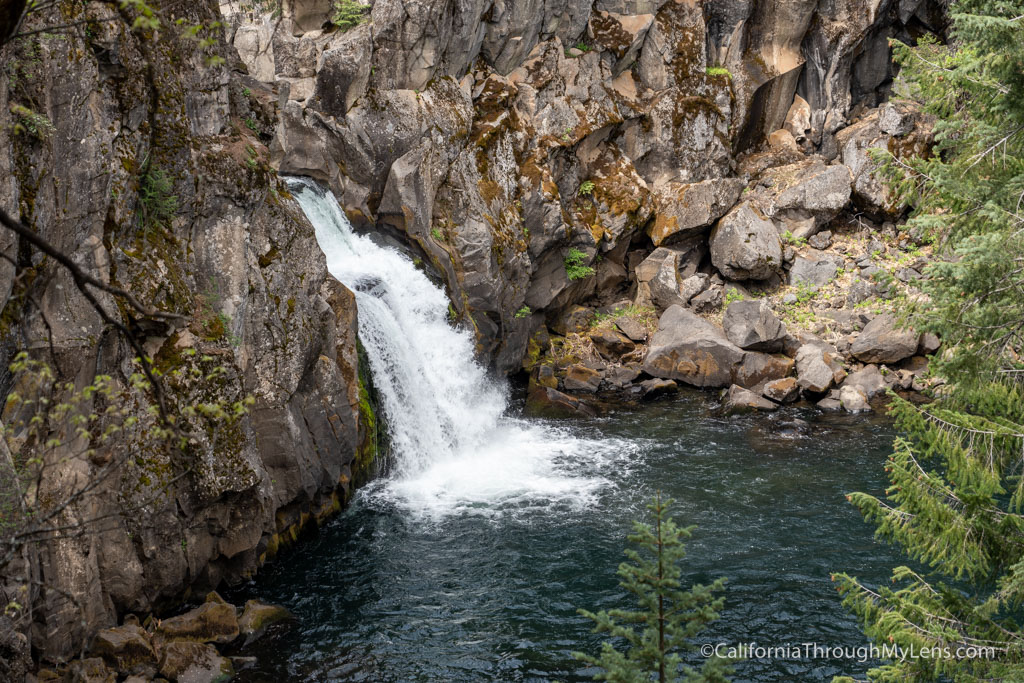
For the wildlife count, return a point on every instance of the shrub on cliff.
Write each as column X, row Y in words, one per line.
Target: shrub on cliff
column 348, row 14
column 956, row 494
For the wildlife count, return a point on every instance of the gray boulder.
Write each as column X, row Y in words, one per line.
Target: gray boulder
column 621, row 377
column 895, row 127
column 745, row 246
column 860, row 290
column 692, row 286
column 665, row 283
column 648, row 269
column 812, row 273
column 631, row 328
column 929, row 344
column 814, row 373
column 882, row 341
column 868, row 380
column 808, row 188
column 739, row 400
column 690, row 349
column 687, row 209
column 751, row 325
column 829, row 404
column 853, row 400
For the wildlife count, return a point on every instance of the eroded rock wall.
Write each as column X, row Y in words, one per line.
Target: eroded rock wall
column 236, row 258
column 499, row 136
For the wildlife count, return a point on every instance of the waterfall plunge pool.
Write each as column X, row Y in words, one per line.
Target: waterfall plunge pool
column 469, row 561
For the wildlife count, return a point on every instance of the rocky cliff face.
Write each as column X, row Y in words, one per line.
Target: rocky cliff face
column 499, row 135
column 93, row 120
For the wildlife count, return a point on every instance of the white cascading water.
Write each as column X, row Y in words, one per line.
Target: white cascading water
column 453, row 446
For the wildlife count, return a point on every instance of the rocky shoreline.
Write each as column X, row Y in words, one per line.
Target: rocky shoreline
column 790, row 296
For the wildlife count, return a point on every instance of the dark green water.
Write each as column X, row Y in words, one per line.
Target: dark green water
column 381, row 594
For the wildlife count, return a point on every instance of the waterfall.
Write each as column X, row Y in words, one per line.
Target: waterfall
column 454, row 446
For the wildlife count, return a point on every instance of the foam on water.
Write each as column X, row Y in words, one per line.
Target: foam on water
column 454, row 448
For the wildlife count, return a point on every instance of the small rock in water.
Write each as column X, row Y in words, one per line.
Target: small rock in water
column 739, row 400
column 257, row 617
column 653, row 388
column 829, row 404
column 853, row 400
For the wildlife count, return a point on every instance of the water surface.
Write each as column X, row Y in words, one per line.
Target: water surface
column 447, row 586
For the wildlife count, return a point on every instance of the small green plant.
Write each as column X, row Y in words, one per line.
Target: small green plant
column 349, row 14
column 523, row 312
column 586, row 188
column 31, row 123
column 631, row 311
column 567, row 135
column 250, row 123
column 581, row 46
column 246, row 92
column 251, row 160
column 789, row 238
column 718, row 71
column 157, row 203
column 574, row 265
column 436, row 234
column 732, row 295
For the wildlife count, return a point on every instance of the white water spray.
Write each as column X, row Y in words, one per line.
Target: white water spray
column 453, row 445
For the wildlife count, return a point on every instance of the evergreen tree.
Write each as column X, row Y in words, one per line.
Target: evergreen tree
column 668, row 616
column 956, row 492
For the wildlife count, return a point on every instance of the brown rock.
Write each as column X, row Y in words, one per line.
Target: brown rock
column 257, row 617
column 211, row 622
column 739, row 400
column 582, row 378
column 759, row 367
column 552, row 402
column 611, row 344
column 783, row 390
column 91, row 670
column 688, row 348
column 123, row 647
column 575, row 319
column 194, row 662
column 546, row 376
column 652, row 388
column 686, row 209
